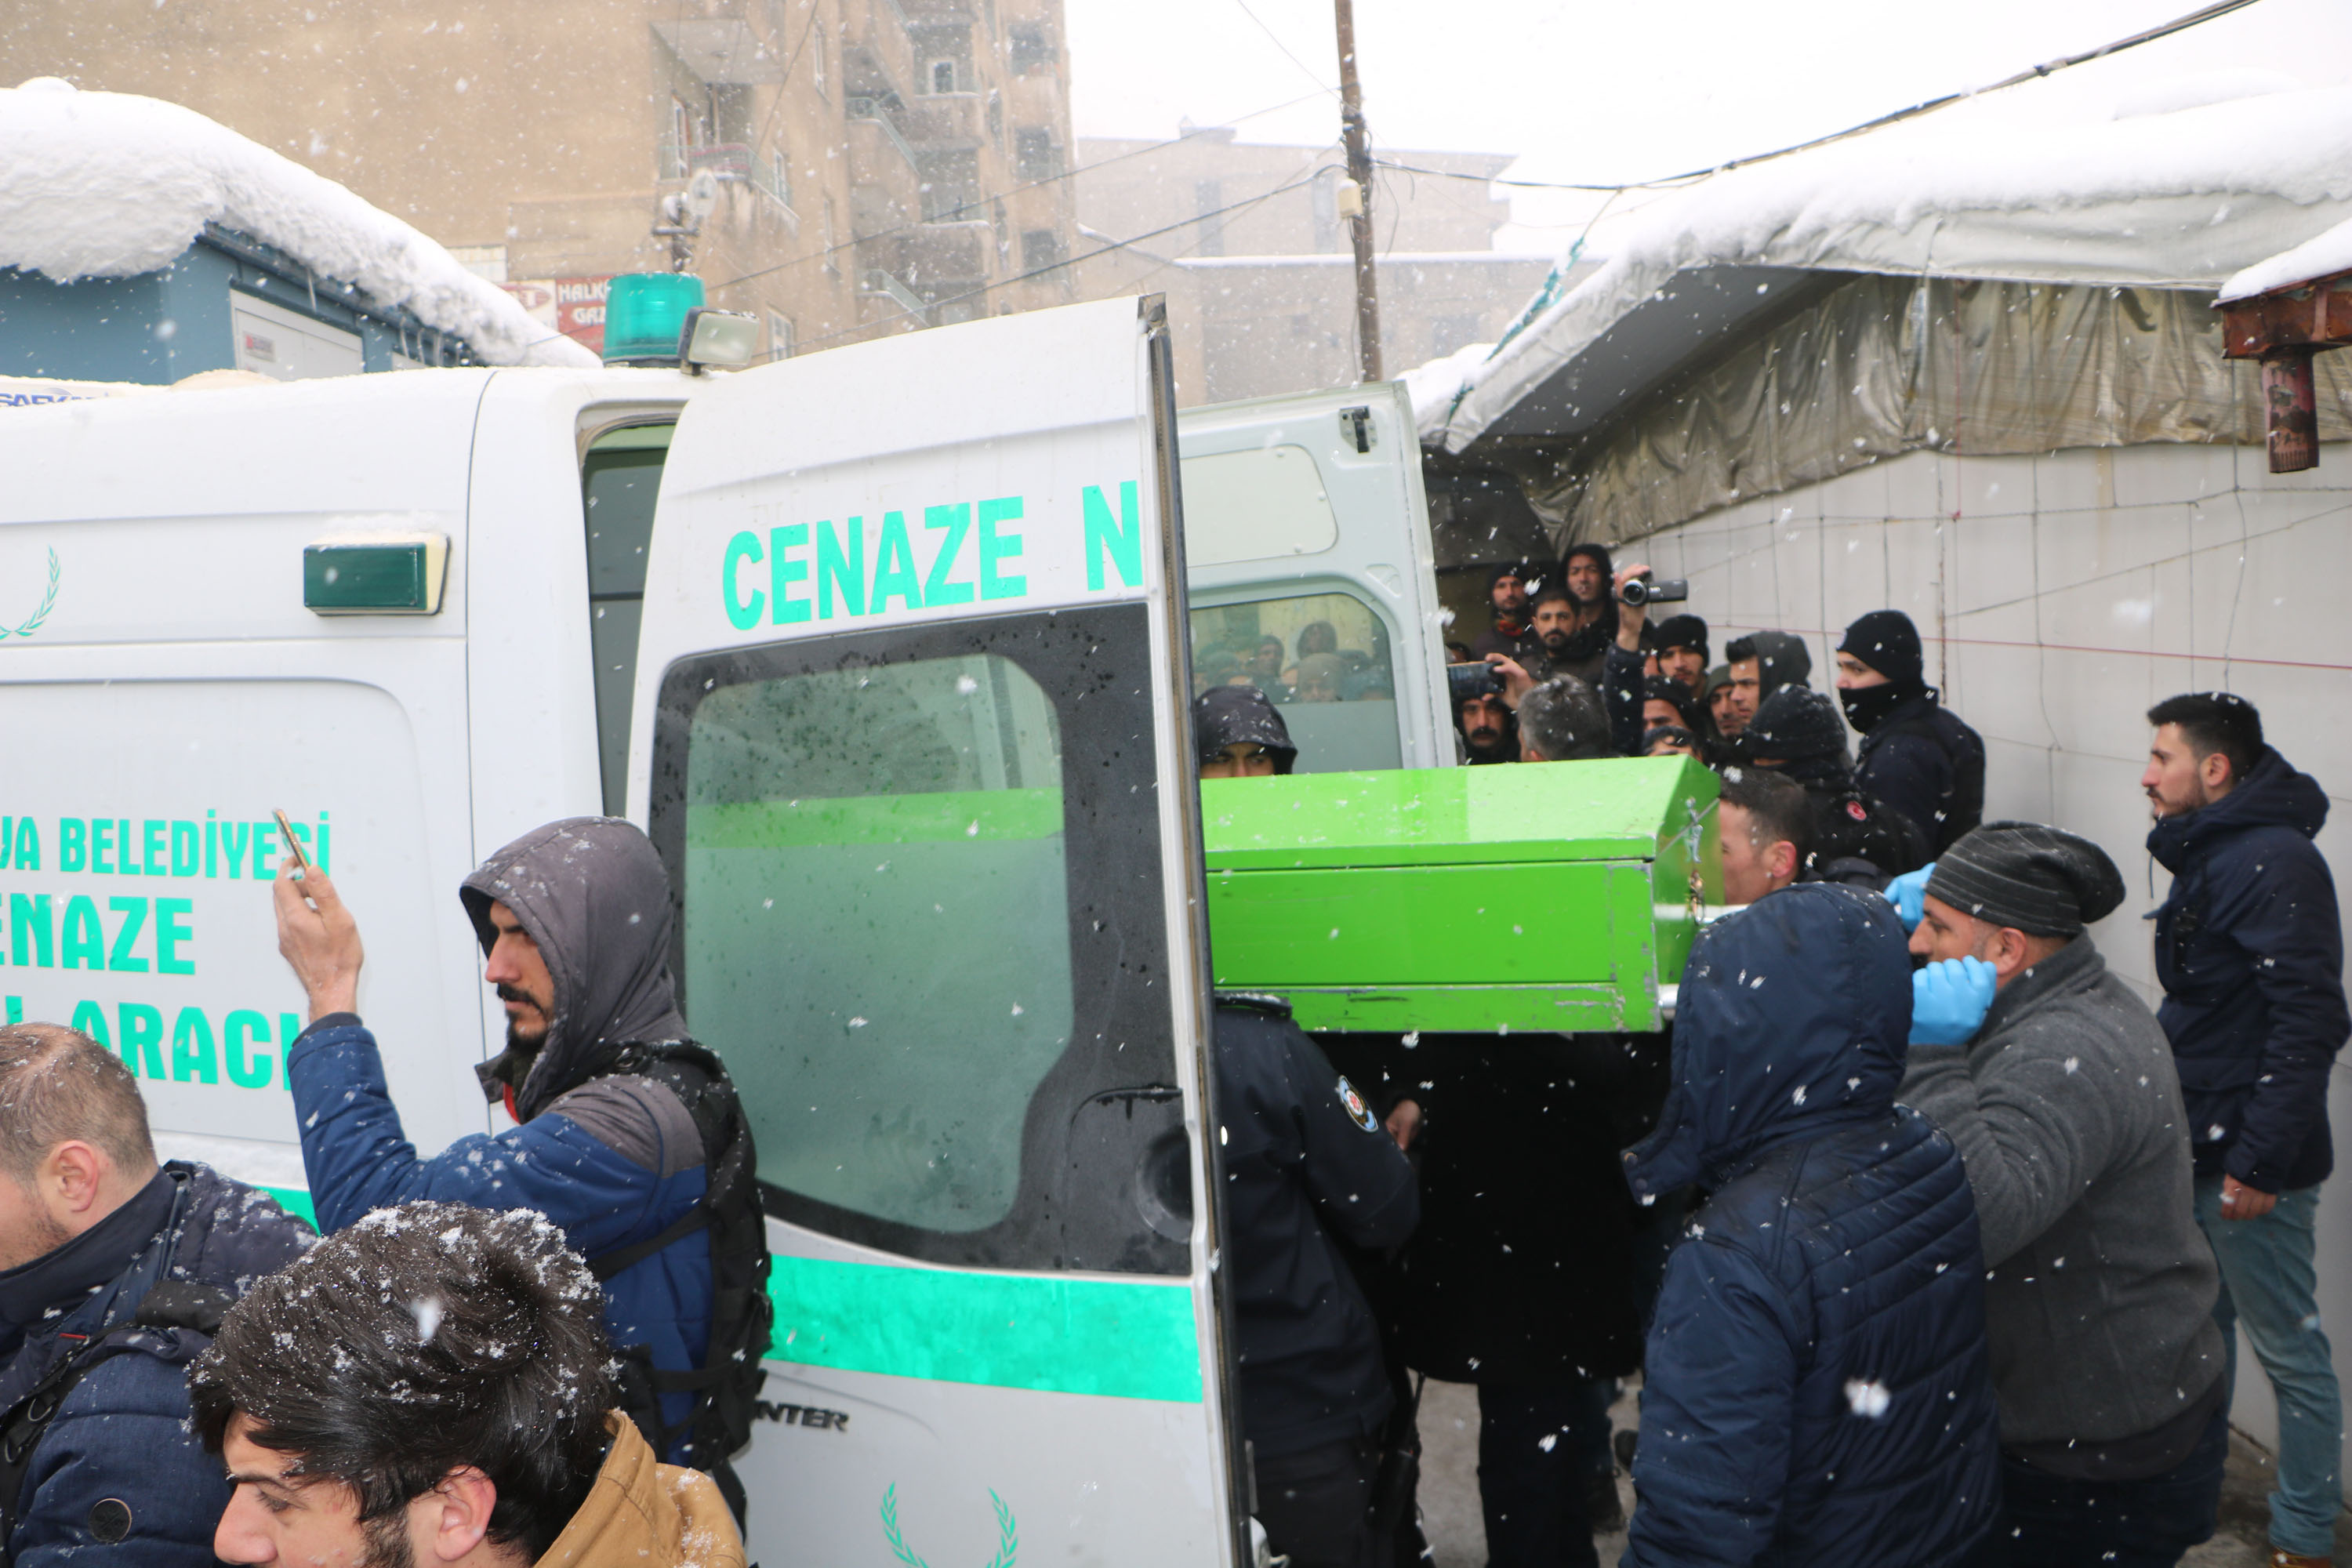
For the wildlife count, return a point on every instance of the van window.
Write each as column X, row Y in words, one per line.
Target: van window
column 1327, row 661
column 919, row 918
column 619, row 478
column 1260, row 503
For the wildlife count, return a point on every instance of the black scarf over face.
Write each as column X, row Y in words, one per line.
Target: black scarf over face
column 1868, row 706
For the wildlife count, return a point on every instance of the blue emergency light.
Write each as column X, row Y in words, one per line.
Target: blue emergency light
column 643, row 314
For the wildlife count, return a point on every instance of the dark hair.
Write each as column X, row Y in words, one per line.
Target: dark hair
column 1778, row 810
column 422, row 1338
column 1739, row 650
column 1557, row 591
column 1665, row 688
column 1564, row 721
column 57, row 1084
column 2214, row 722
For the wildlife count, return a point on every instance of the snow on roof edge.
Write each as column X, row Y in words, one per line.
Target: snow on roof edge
column 104, row 184
column 2321, row 255
column 2178, row 198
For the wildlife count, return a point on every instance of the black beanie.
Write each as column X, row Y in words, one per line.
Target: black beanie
column 1681, row 631
column 1888, row 642
column 1223, row 715
column 1675, row 694
column 2043, row 881
column 1794, row 722
column 1518, row 569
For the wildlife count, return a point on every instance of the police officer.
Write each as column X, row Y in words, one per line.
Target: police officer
column 1306, row 1161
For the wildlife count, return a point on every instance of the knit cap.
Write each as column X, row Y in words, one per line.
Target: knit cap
column 1794, row 722
column 1684, row 630
column 1888, row 642
column 2043, row 881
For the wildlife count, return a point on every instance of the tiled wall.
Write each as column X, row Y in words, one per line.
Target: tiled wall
column 2060, row 597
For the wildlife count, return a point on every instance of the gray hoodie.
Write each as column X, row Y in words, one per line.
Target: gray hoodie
column 592, row 893
column 2066, row 1111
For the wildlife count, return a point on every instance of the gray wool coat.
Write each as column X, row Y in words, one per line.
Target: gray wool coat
column 2066, row 1111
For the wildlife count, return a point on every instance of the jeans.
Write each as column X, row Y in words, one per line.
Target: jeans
column 1315, row 1505
column 2267, row 1287
column 1539, row 1443
column 2049, row 1522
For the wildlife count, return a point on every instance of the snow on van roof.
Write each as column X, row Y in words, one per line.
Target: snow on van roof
column 2179, row 182
column 109, row 184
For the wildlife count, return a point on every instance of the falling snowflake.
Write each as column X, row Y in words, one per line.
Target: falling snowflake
column 1868, row 1397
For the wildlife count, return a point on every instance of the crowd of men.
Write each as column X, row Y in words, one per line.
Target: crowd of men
column 1930, row 1241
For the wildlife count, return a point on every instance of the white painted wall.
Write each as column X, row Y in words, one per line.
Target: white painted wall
column 2061, row 596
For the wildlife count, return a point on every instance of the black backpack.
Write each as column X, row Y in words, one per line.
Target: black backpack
column 726, row 1387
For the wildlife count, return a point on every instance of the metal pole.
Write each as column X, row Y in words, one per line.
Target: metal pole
column 1360, row 170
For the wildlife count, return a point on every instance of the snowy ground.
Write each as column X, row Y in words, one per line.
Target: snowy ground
column 1449, row 1491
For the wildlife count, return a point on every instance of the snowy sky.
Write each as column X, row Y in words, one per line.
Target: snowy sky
column 1603, row 91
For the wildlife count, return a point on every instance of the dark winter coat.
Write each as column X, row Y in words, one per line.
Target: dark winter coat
column 1817, row 1387
column 1925, row 764
column 123, row 1431
column 1303, row 1151
column 2249, row 951
column 612, row 1160
column 1522, row 1270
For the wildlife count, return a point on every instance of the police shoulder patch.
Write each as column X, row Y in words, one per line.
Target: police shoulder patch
column 1355, row 1107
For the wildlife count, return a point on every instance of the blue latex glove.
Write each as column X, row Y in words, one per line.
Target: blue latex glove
column 1907, row 892
column 1948, row 1001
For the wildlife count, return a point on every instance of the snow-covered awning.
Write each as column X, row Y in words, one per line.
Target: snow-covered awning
column 2174, row 185
column 105, row 184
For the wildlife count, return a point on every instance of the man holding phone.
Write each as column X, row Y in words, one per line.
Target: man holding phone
column 629, row 1136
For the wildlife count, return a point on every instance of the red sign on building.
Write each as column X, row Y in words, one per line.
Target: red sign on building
column 572, row 306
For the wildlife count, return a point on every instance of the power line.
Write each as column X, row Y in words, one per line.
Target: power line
column 987, row 197
column 1307, row 71
column 1074, row 260
column 1928, row 106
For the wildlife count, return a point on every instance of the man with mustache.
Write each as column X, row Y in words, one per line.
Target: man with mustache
column 629, row 1135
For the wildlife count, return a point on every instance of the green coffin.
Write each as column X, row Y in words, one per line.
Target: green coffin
column 1556, row 897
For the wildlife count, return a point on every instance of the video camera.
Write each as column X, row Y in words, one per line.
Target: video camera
column 1642, row 590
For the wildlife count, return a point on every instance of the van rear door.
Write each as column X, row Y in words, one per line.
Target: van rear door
column 911, row 730
column 1310, row 572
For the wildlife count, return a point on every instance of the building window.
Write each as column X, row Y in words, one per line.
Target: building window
column 1040, row 248
column 1208, row 205
column 942, row 75
column 995, row 117
column 681, row 140
column 831, row 242
column 1035, row 154
column 779, row 336
column 1030, row 48
column 817, row 58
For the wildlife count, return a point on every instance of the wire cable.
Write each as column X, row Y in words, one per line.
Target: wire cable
column 1928, row 106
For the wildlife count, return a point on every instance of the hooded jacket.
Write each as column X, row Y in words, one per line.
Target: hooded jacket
column 612, row 1160
column 1817, row 1388
column 123, row 1431
column 2067, row 1115
column 1782, row 660
column 1921, row 760
column 642, row 1514
column 2249, row 951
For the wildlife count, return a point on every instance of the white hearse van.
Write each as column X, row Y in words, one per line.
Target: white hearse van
column 888, row 648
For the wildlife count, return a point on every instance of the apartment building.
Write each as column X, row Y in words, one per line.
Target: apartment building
column 880, row 164
column 1249, row 243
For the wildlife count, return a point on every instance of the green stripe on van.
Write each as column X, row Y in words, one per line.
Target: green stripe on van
column 296, row 1200
column 1004, row 1330
column 945, row 816
column 1106, row 1337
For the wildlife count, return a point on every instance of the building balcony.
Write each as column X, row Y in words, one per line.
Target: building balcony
column 946, row 122
column 874, row 131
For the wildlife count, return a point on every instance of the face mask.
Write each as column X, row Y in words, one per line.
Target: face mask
column 1866, row 706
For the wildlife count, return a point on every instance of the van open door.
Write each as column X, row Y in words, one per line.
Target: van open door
column 911, row 730
column 1310, row 572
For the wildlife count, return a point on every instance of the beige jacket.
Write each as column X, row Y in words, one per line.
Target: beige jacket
column 644, row 1514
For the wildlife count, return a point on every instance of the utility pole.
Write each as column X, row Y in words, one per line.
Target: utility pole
column 1360, row 170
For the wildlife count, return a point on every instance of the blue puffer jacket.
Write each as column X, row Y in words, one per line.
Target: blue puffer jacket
column 2249, row 951
column 1818, row 1387
column 122, row 1433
